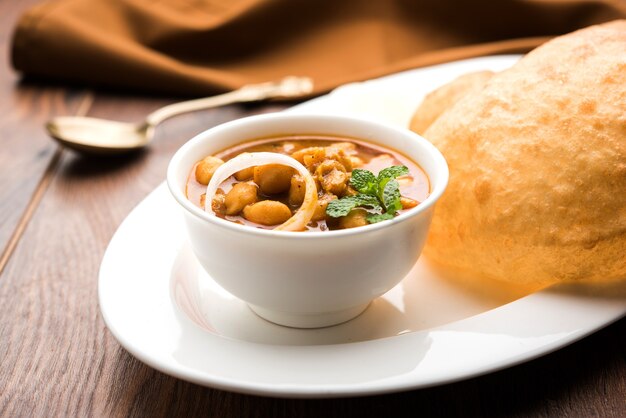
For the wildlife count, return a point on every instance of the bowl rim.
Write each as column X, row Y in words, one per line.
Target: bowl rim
column 181, row 153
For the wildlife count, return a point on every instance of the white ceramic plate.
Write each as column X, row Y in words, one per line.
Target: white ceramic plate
column 428, row 330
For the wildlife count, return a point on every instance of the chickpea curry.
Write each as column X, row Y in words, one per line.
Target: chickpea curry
column 354, row 183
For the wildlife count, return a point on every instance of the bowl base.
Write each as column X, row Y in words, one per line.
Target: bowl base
column 313, row 320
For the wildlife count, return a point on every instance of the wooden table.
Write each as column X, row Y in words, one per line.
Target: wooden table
column 58, row 212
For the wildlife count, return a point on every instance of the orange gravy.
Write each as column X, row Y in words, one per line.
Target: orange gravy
column 375, row 157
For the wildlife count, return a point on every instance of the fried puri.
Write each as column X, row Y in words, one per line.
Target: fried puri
column 437, row 101
column 537, row 158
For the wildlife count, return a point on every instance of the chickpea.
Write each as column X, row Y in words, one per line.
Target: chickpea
column 332, row 177
column 356, row 162
column 267, row 212
column 218, row 203
column 273, row 178
column 356, row 217
column 206, row 168
column 322, row 204
column 335, row 182
column 297, row 190
column 350, row 191
column 241, row 195
column 339, row 156
column 310, row 157
column 202, row 200
column 348, row 148
column 245, row 174
column 408, row 203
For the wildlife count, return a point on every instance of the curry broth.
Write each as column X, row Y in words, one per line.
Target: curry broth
column 415, row 186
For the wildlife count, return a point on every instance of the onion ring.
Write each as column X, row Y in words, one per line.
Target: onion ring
column 301, row 218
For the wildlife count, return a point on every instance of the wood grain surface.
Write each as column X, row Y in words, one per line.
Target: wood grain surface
column 57, row 357
column 26, row 150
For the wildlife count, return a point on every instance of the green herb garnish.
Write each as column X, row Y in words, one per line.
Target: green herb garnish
column 341, row 207
column 380, row 195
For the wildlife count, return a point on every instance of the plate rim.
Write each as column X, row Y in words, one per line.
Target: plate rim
column 317, row 390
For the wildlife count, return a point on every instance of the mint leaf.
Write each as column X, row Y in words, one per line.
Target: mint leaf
column 391, row 196
column 376, row 193
column 364, row 181
column 378, row 217
column 381, row 188
column 341, row 207
column 392, row 172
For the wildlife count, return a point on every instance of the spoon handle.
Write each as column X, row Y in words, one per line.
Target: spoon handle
column 288, row 87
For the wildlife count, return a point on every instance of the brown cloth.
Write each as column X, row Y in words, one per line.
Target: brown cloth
column 199, row 47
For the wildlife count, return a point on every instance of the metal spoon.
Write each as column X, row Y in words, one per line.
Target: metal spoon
column 101, row 136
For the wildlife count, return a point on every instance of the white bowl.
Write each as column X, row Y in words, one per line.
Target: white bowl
column 307, row 279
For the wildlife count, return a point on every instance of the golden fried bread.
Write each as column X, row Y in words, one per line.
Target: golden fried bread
column 437, row 101
column 537, row 158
